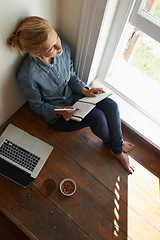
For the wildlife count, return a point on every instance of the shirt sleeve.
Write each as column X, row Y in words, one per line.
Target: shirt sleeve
column 75, row 82
column 31, row 92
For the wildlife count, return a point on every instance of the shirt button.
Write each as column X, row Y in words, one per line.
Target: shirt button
column 58, row 76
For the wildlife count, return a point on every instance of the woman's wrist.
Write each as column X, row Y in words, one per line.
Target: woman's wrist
column 84, row 90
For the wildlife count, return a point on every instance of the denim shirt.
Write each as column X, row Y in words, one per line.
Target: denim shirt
column 48, row 86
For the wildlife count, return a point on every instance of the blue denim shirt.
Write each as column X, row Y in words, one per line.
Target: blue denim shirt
column 48, row 86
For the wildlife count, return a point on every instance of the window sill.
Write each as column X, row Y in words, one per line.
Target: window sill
column 133, row 118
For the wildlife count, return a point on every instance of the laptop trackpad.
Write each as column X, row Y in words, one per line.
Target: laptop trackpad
column 27, row 142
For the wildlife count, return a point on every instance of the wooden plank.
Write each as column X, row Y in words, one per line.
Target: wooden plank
column 104, row 175
column 152, row 209
column 93, row 213
column 146, row 154
column 13, row 227
column 143, row 192
column 11, row 192
column 144, row 204
column 38, row 214
column 5, row 234
column 100, row 197
column 93, row 192
column 143, row 152
column 98, row 163
column 143, row 177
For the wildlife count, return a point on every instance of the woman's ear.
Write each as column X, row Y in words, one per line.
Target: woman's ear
column 35, row 53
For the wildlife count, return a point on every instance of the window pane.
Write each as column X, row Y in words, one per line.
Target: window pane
column 153, row 8
column 136, row 73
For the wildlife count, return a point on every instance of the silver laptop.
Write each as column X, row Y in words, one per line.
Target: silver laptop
column 22, row 156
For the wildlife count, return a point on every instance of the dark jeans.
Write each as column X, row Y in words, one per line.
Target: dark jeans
column 104, row 121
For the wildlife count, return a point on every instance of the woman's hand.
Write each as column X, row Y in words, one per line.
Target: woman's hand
column 66, row 114
column 92, row 92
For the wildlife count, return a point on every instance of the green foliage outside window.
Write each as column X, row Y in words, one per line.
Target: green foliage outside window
column 157, row 11
column 147, row 62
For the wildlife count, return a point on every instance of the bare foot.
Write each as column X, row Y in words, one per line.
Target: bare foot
column 128, row 146
column 127, row 162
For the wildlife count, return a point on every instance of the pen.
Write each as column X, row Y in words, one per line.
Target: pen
column 66, row 109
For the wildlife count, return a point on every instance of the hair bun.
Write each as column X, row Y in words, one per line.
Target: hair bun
column 16, row 34
column 10, row 39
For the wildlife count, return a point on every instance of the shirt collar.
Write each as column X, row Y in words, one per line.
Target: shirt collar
column 46, row 66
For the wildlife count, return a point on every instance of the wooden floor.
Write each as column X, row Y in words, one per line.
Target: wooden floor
column 108, row 204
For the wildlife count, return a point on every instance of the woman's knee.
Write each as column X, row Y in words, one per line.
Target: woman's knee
column 99, row 125
column 114, row 106
column 98, row 118
column 108, row 106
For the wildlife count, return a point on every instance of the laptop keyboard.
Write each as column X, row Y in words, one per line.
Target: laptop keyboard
column 19, row 155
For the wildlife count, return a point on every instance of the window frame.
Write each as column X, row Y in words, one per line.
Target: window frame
column 144, row 21
column 93, row 63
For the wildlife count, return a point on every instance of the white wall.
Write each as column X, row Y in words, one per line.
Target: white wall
column 11, row 12
column 69, row 15
column 64, row 16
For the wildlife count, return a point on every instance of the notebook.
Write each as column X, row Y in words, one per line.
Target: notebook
column 84, row 105
column 22, row 156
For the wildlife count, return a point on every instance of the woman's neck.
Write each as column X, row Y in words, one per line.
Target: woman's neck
column 47, row 60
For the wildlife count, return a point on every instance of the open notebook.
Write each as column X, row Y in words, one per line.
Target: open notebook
column 22, row 156
column 86, row 104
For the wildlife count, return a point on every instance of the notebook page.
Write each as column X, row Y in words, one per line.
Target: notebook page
column 83, row 109
column 96, row 99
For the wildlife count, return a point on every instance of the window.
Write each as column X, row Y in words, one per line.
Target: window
column 146, row 16
column 132, row 39
column 150, row 10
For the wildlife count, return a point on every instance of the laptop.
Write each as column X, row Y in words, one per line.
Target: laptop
column 22, row 156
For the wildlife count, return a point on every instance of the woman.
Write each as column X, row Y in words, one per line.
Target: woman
column 48, row 81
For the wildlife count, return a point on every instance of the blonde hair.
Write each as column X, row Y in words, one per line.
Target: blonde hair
column 29, row 35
